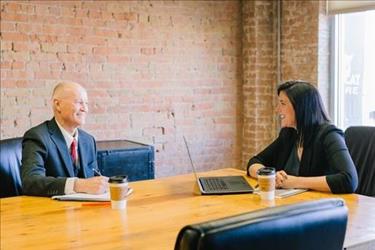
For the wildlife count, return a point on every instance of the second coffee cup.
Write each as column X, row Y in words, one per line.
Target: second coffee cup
column 118, row 188
column 266, row 182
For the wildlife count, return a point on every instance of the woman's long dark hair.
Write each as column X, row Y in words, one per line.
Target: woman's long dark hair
column 308, row 107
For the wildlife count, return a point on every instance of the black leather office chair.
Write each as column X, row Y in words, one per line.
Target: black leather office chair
column 140, row 157
column 10, row 163
column 311, row 225
column 361, row 144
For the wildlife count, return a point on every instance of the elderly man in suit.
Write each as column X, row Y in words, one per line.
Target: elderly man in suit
column 58, row 157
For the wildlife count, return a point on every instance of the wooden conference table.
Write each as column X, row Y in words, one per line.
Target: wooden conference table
column 156, row 211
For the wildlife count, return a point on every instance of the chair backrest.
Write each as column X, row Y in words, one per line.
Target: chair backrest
column 317, row 224
column 10, row 164
column 361, row 144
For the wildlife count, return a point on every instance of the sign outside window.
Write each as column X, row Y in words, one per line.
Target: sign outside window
column 355, row 69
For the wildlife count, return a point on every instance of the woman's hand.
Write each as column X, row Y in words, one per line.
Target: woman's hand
column 283, row 180
column 254, row 169
column 319, row 183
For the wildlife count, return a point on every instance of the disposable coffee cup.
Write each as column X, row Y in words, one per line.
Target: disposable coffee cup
column 118, row 188
column 266, row 182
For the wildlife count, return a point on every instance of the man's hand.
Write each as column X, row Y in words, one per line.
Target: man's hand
column 94, row 185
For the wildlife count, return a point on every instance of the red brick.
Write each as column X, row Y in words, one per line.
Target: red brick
column 42, row 10
column 6, row 46
column 22, row 83
column 43, row 38
column 73, row 76
column 46, row 75
column 106, row 33
column 93, row 40
column 49, row 47
column 13, row 17
column 20, row 46
column 18, row 65
column 67, row 20
column 125, row 16
column 67, row 57
column 5, row 65
column 95, row 14
column 103, row 51
column 93, row 22
column 55, row 11
column 7, row 26
column 118, row 59
column 97, row 59
column 52, row 29
column 6, row 83
column 148, row 51
column 28, row 9
column 12, row 36
column 25, row 27
column 10, row 7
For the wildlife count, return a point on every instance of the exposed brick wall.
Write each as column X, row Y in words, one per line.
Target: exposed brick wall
column 299, row 40
column 299, row 60
column 162, row 69
column 259, row 75
column 305, row 44
column 154, row 71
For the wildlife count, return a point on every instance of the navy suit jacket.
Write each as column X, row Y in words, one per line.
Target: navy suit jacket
column 46, row 161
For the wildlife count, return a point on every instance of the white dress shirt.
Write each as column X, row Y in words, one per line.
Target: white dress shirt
column 69, row 184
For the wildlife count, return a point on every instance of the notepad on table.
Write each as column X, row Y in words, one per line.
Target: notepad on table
column 282, row 193
column 86, row 197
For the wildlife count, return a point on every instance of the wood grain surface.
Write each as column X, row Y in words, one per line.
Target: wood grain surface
column 155, row 213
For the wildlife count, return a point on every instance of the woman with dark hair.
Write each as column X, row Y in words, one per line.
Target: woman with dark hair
column 309, row 151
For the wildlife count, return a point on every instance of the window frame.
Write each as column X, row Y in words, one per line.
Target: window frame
column 336, row 90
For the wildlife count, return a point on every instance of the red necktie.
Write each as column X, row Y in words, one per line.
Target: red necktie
column 73, row 151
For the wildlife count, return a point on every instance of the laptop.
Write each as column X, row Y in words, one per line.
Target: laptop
column 220, row 184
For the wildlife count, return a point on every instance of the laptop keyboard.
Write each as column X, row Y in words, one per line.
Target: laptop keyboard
column 214, row 184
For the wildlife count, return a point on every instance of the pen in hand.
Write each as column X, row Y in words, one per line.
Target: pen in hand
column 96, row 171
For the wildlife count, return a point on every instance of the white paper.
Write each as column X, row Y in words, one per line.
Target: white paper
column 282, row 193
column 86, row 197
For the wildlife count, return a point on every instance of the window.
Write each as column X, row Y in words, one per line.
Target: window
column 354, row 69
